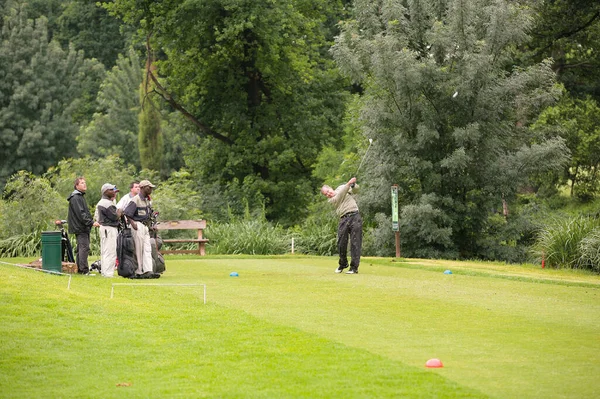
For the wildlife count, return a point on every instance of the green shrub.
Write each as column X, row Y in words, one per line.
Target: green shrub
column 561, row 242
column 29, row 204
column 380, row 240
column 110, row 169
column 247, row 236
column 177, row 199
column 21, row 245
column 316, row 237
column 589, row 249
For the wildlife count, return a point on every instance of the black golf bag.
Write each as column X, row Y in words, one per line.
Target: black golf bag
column 126, row 254
column 66, row 247
column 158, row 261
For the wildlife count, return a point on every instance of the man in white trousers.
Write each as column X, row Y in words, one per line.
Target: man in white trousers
column 108, row 216
column 138, row 213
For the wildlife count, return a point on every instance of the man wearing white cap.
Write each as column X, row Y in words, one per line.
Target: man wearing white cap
column 138, row 213
column 108, row 218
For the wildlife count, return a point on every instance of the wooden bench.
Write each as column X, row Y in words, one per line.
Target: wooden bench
column 198, row 225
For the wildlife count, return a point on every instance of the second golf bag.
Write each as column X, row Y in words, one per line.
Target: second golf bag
column 158, row 261
column 126, row 254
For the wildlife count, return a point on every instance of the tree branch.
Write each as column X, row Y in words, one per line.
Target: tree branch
column 168, row 98
column 568, row 33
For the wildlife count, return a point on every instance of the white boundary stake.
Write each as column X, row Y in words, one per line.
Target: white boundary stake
column 42, row 270
column 112, row 290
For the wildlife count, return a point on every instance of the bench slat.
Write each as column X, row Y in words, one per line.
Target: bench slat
column 197, row 225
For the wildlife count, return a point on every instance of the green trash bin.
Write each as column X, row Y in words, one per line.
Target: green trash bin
column 52, row 251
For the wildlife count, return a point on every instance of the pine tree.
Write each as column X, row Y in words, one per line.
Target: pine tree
column 43, row 92
column 114, row 129
column 448, row 113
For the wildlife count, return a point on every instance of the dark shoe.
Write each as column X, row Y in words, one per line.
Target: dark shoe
column 352, row 271
column 340, row 269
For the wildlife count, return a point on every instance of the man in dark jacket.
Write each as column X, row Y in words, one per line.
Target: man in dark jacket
column 80, row 223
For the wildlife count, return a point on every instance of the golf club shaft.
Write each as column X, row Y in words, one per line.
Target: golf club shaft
column 364, row 157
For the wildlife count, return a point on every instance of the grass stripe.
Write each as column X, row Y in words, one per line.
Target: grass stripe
column 166, row 343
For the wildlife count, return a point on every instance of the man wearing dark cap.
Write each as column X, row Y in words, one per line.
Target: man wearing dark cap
column 108, row 217
column 80, row 223
column 138, row 213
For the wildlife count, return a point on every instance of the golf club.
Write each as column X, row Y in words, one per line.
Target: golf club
column 365, row 156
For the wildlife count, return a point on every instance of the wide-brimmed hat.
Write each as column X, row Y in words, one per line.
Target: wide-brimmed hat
column 108, row 186
column 145, row 183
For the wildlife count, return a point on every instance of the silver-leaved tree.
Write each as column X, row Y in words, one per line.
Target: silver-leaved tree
column 449, row 114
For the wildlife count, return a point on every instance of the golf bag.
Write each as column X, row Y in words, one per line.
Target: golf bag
column 158, row 261
column 66, row 247
column 126, row 254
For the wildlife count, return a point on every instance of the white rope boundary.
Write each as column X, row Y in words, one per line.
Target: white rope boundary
column 112, row 290
column 41, row 270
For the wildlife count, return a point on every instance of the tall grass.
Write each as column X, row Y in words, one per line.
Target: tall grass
column 29, row 244
column 569, row 243
column 253, row 237
column 590, row 251
column 316, row 237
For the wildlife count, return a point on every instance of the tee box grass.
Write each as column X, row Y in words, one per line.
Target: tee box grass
column 288, row 327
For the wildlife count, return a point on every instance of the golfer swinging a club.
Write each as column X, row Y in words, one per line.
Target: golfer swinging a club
column 350, row 225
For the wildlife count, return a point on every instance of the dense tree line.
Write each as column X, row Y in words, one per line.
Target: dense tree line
column 254, row 104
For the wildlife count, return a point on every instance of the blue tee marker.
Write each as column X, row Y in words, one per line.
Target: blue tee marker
column 448, row 272
column 233, row 274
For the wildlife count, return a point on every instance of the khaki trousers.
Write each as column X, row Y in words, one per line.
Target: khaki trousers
column 143, row 250
column 108, row 250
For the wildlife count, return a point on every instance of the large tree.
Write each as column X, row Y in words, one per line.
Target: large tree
column 449, row 114
column 568, row 31
column 255, row 80
column 44, row 93
column 579, row 123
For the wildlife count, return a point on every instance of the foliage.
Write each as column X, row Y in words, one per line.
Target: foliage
column 43, row 95
column 253, row 236
column 255, row 80
column 96, row 172
column 177, row 198
column 27, row 244
column 81, row 23
column 589, row 249
column 90, row 28
column 29, row 205
column 380, row 239
column 317, row 235
column 448, row 113
column 568, row 243
column 568, row 31
column 113, row 130
column 578, row 121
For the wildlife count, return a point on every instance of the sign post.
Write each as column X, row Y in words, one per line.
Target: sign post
column 395, row 226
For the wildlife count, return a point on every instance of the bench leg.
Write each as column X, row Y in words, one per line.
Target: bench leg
column 201, row 248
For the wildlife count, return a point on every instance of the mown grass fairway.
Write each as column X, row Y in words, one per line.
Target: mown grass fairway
column 290, row 327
